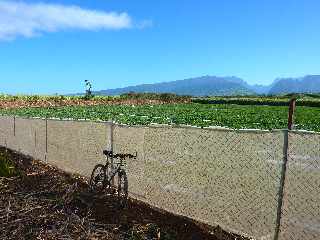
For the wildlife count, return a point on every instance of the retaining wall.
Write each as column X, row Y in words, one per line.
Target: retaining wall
column 220, row 177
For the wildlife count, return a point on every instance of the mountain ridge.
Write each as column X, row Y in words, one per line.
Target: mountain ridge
column 223, row 86
column 198, row 86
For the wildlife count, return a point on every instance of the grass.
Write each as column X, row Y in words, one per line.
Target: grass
column 202, row 115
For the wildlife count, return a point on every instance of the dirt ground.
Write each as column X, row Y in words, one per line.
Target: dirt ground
column 43, row 202
column 56, row 102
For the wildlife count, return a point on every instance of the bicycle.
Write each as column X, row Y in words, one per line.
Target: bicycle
column 103, row 176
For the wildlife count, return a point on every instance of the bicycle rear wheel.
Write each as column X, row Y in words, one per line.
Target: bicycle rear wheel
column 98, row 178
column 108, row 184
column 122, row 189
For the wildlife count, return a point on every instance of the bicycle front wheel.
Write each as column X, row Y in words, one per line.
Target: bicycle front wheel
column 98, row 178
column 122, row 188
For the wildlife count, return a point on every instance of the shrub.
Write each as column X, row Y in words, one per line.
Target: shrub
column 164, row 97
column 7, row 168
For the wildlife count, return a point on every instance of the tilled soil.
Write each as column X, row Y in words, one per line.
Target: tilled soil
column 22, row 103
column 43, row 202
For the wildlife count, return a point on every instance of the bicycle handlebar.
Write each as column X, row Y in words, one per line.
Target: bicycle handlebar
column 119, row 155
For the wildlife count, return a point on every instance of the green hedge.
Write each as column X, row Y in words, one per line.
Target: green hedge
column 257, row 101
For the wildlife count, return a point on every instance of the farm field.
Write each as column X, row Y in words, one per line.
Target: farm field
column 18, row 101
column 195, row 114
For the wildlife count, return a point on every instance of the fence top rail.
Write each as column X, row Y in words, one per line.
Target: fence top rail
column 304, row 132
column 211, row 128
column 56, row 119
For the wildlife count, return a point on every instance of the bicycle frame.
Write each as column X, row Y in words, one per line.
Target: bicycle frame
column 107, row 173
column 115, row 168
column 113, row 173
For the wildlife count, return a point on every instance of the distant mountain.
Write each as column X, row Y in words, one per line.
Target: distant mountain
column 307, row 84
column 200, row 86
column 260, row 89
column 223, row 86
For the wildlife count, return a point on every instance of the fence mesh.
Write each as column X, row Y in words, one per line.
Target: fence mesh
column 6, row 130
column 227, row 178
column 77, row 146
column 30, row 137
column 220, row 177
column 301, row 210
column 131, row 140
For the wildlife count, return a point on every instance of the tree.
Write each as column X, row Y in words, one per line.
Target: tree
column 89, row 94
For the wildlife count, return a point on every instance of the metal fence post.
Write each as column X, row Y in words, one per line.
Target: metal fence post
column 292, row 106
column 282, row 182
column 46, row 153
column 111, row 136
column 14, row 126
column 284, row 167
column 111, row 148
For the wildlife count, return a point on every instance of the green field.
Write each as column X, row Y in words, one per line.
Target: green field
column 202, row 115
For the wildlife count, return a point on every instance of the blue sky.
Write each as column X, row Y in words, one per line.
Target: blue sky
column 47, row 48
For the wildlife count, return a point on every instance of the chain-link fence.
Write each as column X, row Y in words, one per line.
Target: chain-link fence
column 245, row 181
column 226, row 178
column 300, row 216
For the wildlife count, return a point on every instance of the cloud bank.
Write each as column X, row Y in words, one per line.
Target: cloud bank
column 29, row 20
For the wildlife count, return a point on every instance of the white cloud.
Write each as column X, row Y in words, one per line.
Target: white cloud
column 29, row 20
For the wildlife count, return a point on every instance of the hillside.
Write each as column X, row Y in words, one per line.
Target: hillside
column 307, row 84
column 200, row 86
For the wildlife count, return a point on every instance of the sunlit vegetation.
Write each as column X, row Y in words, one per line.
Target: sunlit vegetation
column 201, row 115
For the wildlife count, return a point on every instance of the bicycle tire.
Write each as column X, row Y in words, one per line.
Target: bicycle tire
column 108, row 171
column 97, row 182
column 122, row 189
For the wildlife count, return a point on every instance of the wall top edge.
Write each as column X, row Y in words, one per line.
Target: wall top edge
column 304, row 132
column 56, row 119
column 153, row 125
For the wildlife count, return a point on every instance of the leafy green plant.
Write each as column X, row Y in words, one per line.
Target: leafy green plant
column 167, row 236
column 201, row 115
column 7, row 168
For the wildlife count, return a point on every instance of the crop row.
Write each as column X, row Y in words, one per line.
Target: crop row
column 165, row 97
column 202, row 115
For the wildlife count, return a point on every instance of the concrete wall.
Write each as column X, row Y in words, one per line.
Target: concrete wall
column 220, row 177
